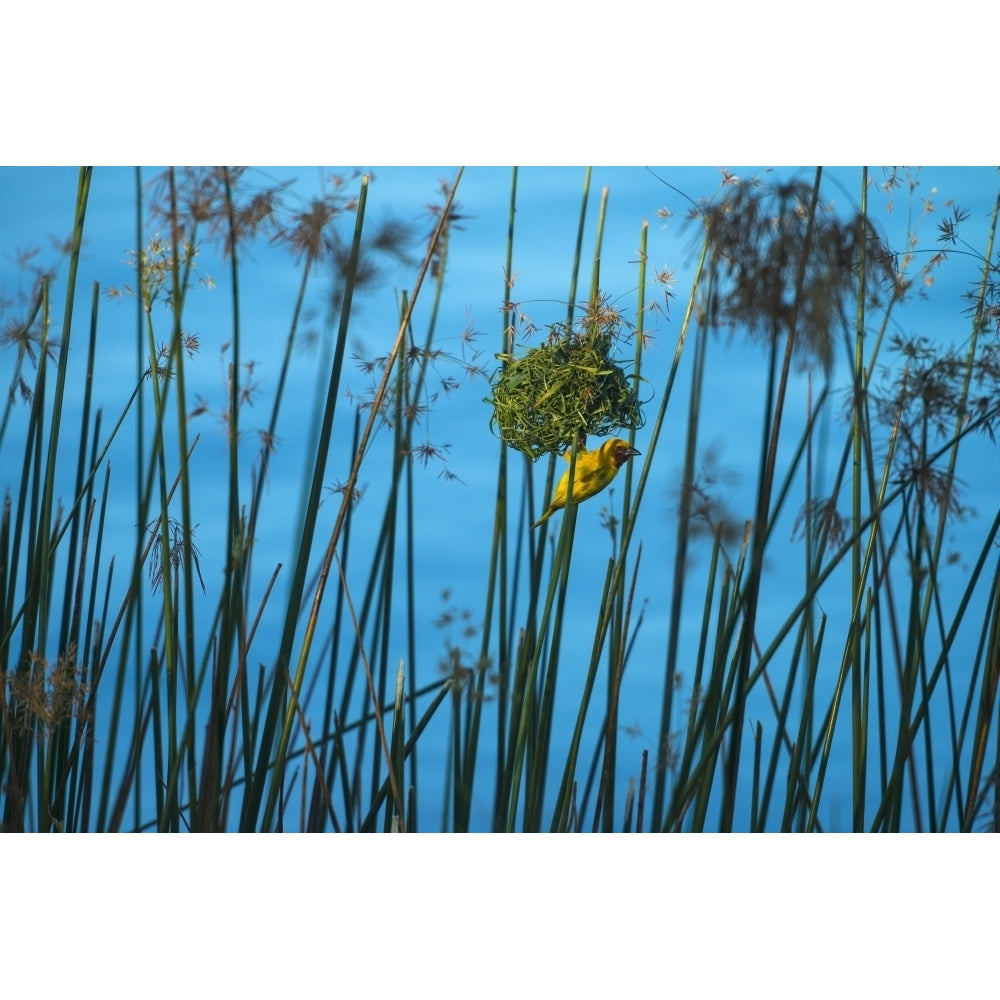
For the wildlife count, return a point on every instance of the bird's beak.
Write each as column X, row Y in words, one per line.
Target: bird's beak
column 633, row 451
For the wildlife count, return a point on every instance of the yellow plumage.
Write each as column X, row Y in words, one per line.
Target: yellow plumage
column 593, row 471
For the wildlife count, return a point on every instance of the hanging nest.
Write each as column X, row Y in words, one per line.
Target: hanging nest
column 568, row 388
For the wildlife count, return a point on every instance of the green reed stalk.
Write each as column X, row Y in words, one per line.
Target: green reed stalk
column 57, row 775
column 851, row 660
column 255, row 792
column 673, row 635
column 497, row 576
column 853, row 653
column 769, row 449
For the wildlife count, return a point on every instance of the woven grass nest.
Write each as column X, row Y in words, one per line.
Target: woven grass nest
column 568, row 388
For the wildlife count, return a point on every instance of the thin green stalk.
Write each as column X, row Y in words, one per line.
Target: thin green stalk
column 543, row 672
column 858, row 721
column 578, row 250
column 617, row 660
column 261, row 778
column 761, row 516
column 673, row 636
column 987, row 704
column 615, row 655
column 497, row 576
column 561, row 812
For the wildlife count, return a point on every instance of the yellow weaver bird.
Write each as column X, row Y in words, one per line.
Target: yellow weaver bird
column 593, row 471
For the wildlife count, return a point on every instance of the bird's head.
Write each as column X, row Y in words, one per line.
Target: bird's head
column 621, row 451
